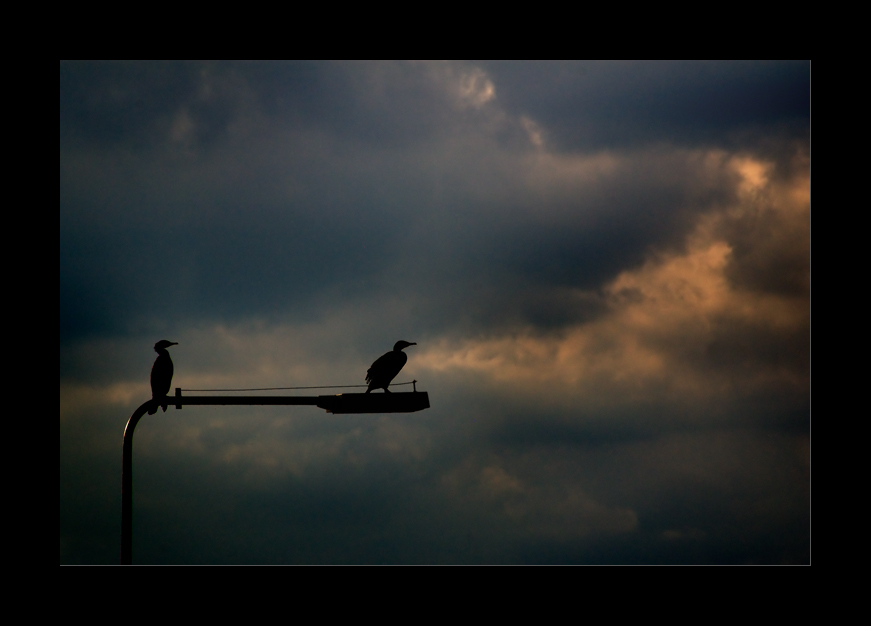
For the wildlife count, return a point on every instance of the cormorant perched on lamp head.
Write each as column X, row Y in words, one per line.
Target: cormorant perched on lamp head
column 161, row 375
column 387, row 367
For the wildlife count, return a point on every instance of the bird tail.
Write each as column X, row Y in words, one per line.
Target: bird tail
column 153, row 408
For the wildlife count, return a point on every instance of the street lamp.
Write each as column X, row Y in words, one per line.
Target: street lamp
column 402, row 402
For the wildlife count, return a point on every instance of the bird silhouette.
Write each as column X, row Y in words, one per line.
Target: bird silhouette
column 161, row 375
column 387, row 367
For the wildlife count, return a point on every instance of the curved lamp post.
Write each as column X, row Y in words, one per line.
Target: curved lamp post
column 398, row 402
column 127, row 485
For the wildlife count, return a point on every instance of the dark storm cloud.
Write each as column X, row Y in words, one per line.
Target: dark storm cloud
column 605, row 267
column 137, row 106
column 580, row 105
column 594, row 105
column 201, row 190
column 227, row 189
column 140, row 103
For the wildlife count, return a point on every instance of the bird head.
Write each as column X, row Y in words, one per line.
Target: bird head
column 163, row 344
column 400, row 345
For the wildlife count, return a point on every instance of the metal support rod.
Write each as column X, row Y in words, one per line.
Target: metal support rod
column 180, row 400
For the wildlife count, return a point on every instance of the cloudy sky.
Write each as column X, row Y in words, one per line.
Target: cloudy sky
column 605, row 266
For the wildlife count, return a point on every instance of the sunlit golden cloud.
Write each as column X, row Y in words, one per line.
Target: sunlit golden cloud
column 661, row 319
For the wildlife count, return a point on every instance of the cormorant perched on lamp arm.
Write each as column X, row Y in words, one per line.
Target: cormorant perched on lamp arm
column 161, row 375
column 387, row 367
